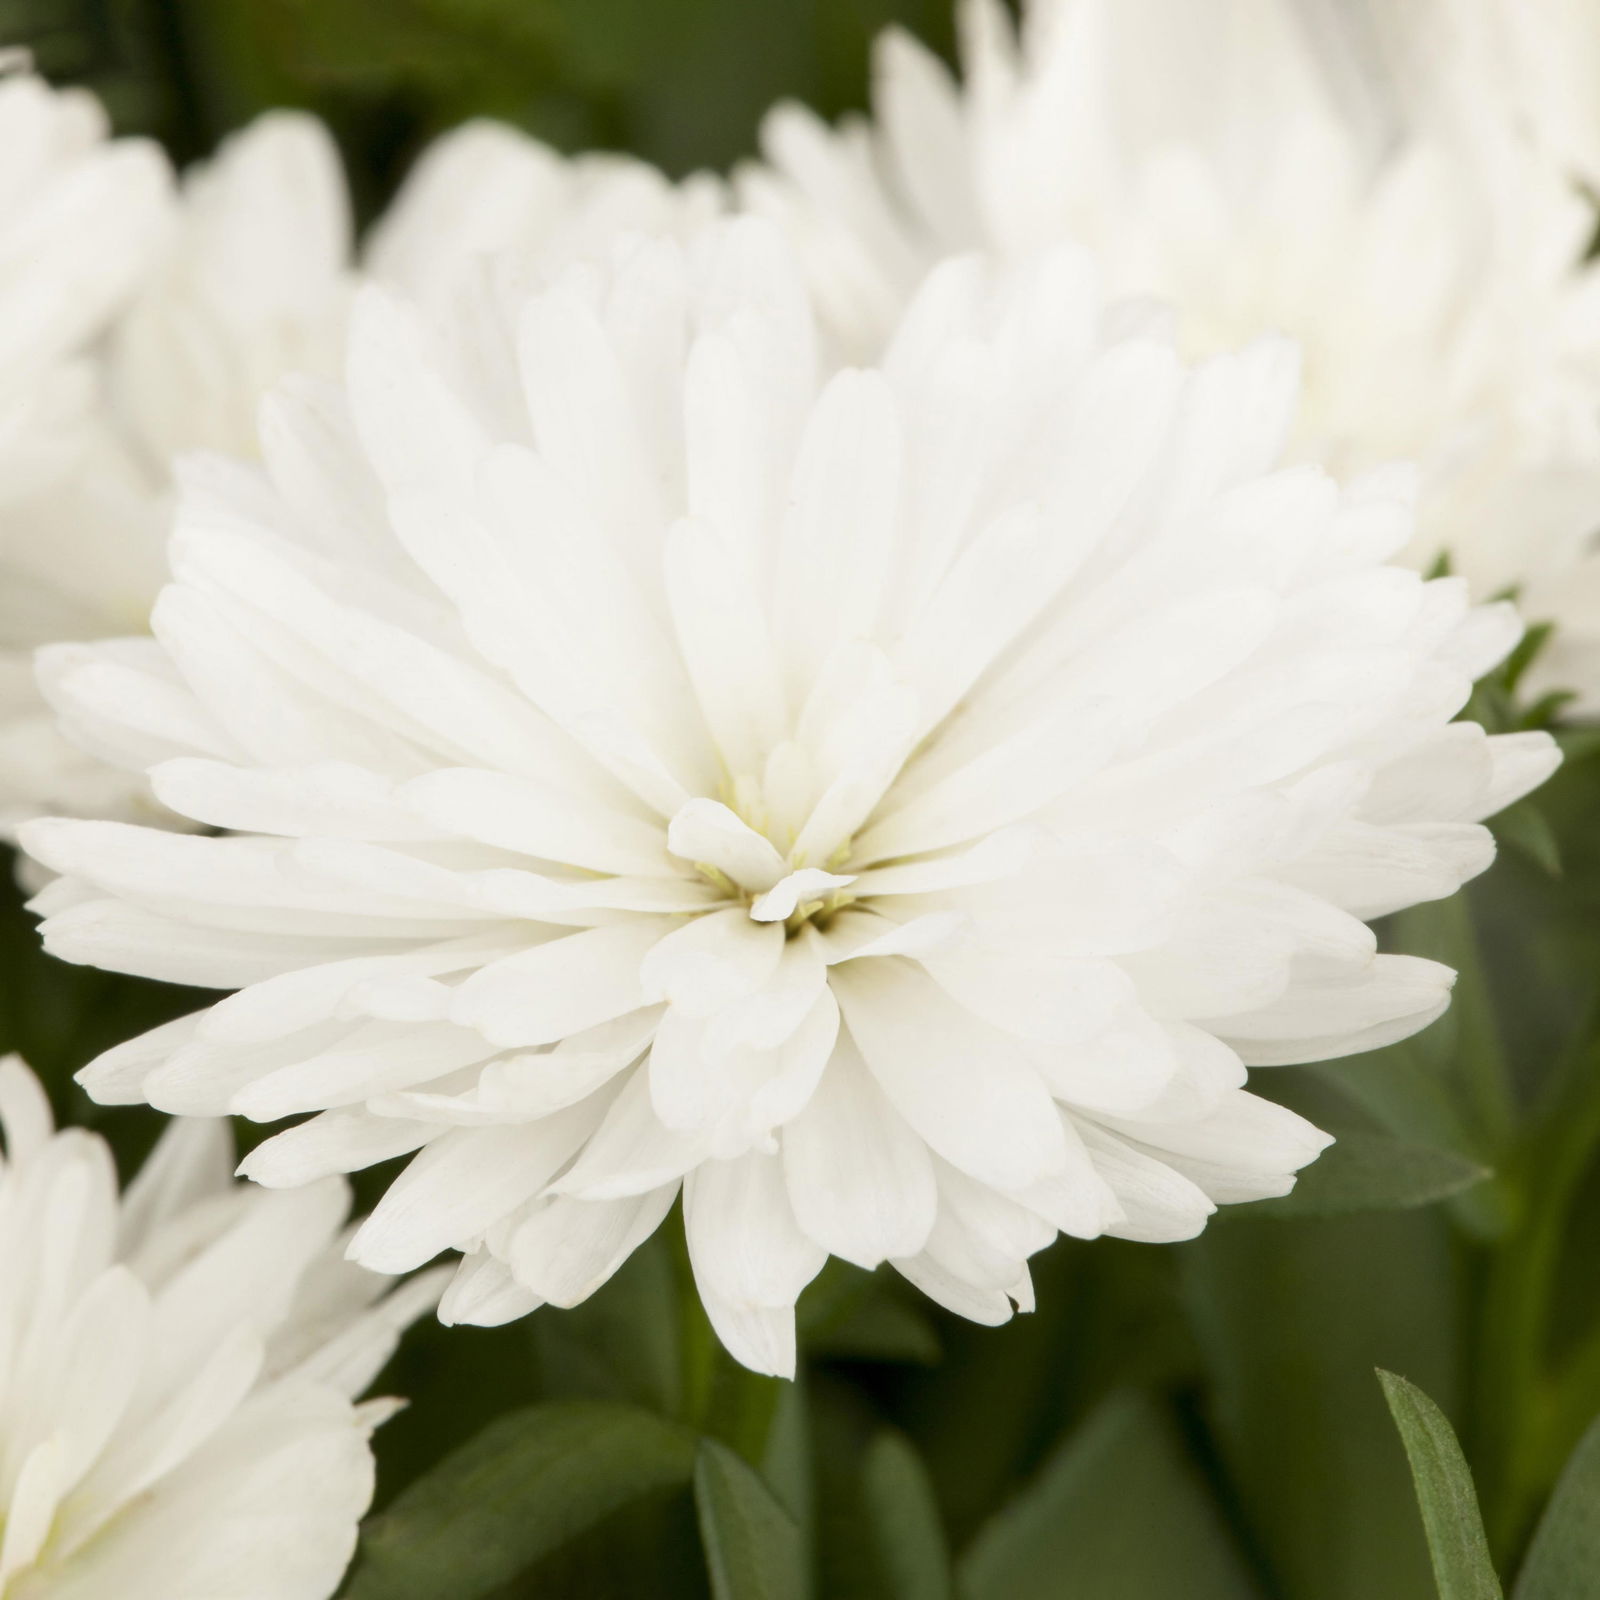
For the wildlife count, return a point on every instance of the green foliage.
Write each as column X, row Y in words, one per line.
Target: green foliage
column 528, row 1484
column 908, row 1535
column 1292, row 1317
column 1118, row 1513
column 1456, row 1542
column 1563, row 1562
column 752, row 1544
column 1364, row 1171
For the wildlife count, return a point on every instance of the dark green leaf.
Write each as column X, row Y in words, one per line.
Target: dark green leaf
column 1527, row 828
column 752, row 1544
column 1461, row 1565
column 1563, row 1563
column 1365, row 1171
column 1119, row 1513
column 517, row 1492
column 1292, row 1317
column 913, row 1559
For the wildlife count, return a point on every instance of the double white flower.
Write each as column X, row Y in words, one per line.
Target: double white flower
column 891, row 809
column 178, row 1371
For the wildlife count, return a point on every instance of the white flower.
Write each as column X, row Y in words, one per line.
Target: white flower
column 80, row 217
column 81, row 220
column 255, row 284
column 177, row 1371
column 893, row 809
column 1426, row 257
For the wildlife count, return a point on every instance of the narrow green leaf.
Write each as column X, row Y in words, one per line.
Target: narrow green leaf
column 1461, row 1566
column 1119, row 1513
column 752, row 1544
column 525, row 1486
column 907, row 1534
column 1563, row 1562
column 1366, row 1171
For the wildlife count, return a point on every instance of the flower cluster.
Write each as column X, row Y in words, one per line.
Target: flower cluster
column 857, row 701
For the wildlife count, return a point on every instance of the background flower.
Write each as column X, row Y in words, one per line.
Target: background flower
column 254, row 283
column 1236, row 163
column 894, row 806
column 177, row 1395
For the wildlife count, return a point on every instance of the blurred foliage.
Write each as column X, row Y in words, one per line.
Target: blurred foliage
column 681, row 82
column 1172, row 1423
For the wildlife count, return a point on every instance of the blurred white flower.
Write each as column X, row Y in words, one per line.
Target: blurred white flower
column 80, row 218
column 1532, row 63
column 892, row 808
column 255, row 283
column 252, row 283
column 1261, row 166
column 179, row 1371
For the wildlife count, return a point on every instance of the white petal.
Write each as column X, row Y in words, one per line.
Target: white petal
column 712, row 962
column 860, row 1181
column 463, row 1184
column 707, row 831
column 994, row 1120
column 810, row 883
column 567, row 1248
column 559, row 988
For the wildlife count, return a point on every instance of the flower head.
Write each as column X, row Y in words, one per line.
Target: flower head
column 1429, row 260
column 892, row 809
column 177, row 1371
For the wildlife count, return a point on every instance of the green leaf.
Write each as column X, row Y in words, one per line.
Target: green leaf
column 1528, row 829
column 1461, row 1565
column 1365, row 1171
column 1563, row 1562
column 525, row 1486
column 907, row 1534
column 752, row 1544
column 1291, row 1318
column 1119, row 1513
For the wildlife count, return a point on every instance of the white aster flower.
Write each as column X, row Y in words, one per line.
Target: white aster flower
column 178, row 1371
column 892, row 810
column 255, row 283
column 80, row 218
column 1427, row 256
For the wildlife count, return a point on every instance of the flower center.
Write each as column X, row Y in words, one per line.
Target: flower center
column 728, row 844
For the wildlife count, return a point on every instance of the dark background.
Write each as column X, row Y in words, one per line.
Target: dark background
column 680, row 82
